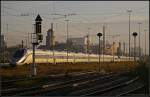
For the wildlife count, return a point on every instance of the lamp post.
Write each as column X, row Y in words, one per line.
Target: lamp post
column 134, row 35
column 99, row 35
column 103, row 41
column 129, row 11
column 139, row 41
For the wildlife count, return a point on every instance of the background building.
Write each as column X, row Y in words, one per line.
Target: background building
column 49, row 39
column 76, row 41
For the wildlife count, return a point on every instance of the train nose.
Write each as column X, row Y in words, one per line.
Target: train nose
column 13, row 62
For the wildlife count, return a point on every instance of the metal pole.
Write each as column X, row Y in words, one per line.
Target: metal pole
column 4, row 51
column 67, row 40
column 99, row 53
column 129, row 35
column 53, row 42
column 88, row 47
column 134, row 35
column 53, row 52
column 22, row 43
column 145, row 42
column 129, row 11
column 34, row 65
column 124, row 48
column 126, row 52
column 113, row 51
column 103, row 41
column 134, row 48
column 28, row 41
column 139, row 41
column 0, row 47
column 33, row 56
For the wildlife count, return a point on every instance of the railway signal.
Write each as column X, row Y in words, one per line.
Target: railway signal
column 37, row 38
column 99, row 35
column 134, row 35
column 38, row 29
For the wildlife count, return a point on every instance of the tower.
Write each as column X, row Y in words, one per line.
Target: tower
column 50, row 38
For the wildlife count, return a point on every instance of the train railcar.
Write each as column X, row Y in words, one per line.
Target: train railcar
column 24, row 56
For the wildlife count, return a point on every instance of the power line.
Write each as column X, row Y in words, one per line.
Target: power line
column 10, row 8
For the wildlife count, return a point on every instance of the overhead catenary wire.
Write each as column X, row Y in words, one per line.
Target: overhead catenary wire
column 86, row 19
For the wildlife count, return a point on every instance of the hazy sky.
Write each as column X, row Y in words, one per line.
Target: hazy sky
column 89, row 14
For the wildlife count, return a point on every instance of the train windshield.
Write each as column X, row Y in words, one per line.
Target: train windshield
column 19, row 53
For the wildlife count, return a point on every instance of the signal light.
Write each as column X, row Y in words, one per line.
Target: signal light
column 40, row 37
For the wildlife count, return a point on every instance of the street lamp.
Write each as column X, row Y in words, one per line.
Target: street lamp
column 134, row 35
column 99, row 35
column 139, row 41
column 129, row 11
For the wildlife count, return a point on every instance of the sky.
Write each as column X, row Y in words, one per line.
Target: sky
column 17, row 19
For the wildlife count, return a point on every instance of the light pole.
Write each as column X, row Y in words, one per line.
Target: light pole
column 67, row 39
column 99, row 35
column 126, row 54
column 53, row 42
column 124, row 46
column 88, row 47
column 129, row 11
column 134, row 35
column 139, row 41
column 113, row 50
column 145, row 41
column 103, row 41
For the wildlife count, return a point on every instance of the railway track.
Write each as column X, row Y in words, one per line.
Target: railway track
column 77, row 86
column 99, row 87
column 131, row 88
column 55, row 82
column 9, row 85
column 59, row 86
column 120, row 89
column 86, row 84
column 56, row 75
column 52, row 86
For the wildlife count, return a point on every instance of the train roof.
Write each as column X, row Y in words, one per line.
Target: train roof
column 64, row 52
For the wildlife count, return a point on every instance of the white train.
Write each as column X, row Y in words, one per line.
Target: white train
column 24, row 56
